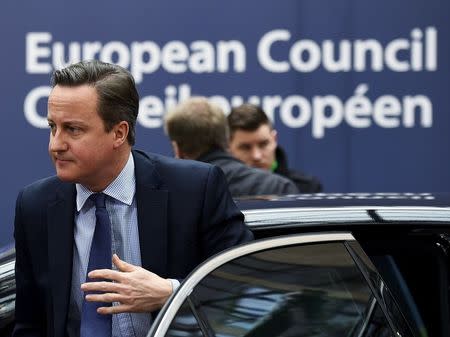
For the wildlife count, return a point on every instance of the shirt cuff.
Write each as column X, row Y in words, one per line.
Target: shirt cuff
column 175, row 284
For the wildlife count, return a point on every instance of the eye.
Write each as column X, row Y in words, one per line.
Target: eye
column 74, row 130
column 244, row 147
column 52, row 127
column 263, row 144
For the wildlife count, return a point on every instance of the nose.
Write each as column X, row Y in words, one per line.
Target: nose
column 57, row 143
column 256, row 154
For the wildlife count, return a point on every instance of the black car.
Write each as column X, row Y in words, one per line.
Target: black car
column 321, row 265
column 7, row 289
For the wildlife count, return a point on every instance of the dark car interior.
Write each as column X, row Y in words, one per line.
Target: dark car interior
column 420, row 259
column 413, row 263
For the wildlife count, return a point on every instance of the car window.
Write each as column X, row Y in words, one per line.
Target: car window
column 300, row 290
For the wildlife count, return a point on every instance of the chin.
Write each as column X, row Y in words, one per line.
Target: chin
column 70, row 178
column 262, row 167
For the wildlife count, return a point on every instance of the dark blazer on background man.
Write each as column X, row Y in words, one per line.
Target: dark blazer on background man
column 185, row 214
column 244, row 180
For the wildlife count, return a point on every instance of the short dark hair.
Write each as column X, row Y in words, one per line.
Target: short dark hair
column 247, row 117
column 197, row 126
column 118, row 99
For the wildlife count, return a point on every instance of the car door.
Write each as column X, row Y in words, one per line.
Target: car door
column 298, row 285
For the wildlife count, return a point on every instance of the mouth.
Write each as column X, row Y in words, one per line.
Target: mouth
column 61, row 160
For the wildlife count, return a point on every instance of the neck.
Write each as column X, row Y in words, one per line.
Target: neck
column 111, row 172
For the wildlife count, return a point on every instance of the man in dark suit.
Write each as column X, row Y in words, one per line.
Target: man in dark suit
column 166, row 215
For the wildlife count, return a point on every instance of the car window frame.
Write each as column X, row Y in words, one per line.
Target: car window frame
column 170, row 309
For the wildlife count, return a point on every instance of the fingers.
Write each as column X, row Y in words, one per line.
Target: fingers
column 107, row 274
column 106, row 298
column 115, row 309
column 102, row 286
column 134, row 288
column 122, row 308
column 122, row 265
column 114, row 275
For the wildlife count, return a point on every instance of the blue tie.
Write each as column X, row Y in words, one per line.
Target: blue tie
column 92, row 323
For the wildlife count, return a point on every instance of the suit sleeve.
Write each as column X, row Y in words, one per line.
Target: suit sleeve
column 222, row 223
column 28, row 308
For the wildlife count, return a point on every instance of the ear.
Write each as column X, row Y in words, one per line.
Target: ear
column 176, row 149
column 274, row 134
column 120, row 133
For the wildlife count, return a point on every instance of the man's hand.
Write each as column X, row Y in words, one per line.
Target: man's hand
column 136, row 289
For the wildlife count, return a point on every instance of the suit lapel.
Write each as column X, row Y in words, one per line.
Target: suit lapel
column 151, row 199
column 60, row 249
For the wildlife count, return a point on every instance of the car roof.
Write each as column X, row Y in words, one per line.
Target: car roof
column 345, row 199
column 347, row 208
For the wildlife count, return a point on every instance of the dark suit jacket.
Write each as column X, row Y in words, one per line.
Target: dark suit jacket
column 305, row 183
column 185, row 214
column 244, row 180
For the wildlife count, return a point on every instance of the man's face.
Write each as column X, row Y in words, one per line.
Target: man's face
column 81, row 149
column 255, row 148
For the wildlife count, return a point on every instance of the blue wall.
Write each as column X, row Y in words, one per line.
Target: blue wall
column 378, row 122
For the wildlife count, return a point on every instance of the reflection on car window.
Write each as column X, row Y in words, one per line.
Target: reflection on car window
column 306, row 290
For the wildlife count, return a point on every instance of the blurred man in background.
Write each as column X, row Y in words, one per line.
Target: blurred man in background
column 198, row 130
column 253, row 140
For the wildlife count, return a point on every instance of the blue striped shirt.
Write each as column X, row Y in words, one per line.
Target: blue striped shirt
column 121, row 206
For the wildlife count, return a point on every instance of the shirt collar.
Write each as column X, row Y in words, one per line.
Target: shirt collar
column 122, row 188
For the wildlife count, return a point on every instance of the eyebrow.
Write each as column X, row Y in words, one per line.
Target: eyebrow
column 70, row 123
